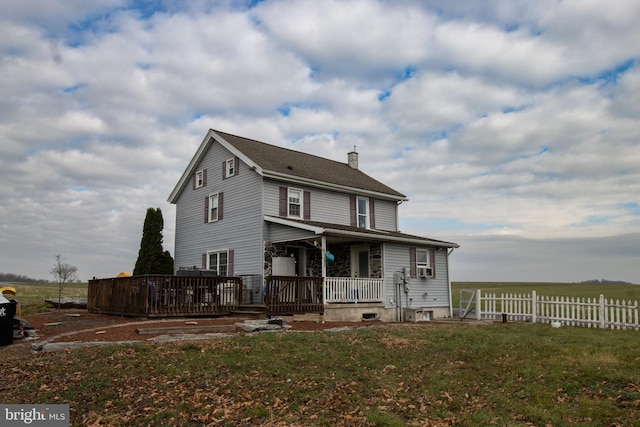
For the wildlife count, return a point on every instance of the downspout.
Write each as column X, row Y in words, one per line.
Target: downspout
column 449, row 282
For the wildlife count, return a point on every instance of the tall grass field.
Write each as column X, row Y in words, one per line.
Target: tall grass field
column 31, row 296
column 572, row 290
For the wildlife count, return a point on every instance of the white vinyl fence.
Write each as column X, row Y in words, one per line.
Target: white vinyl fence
column 570, row 311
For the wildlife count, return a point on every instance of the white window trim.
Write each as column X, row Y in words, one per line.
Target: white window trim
column 214, row 197
column 230, row 167
column 300, row 202
column 200, row 178
column 217, row 266
column 423, row 268
column 366, row 213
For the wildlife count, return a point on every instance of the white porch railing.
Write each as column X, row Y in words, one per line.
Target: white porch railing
column 353, row 290
column 587, row 312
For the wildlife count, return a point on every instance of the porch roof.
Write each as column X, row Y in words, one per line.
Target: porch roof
column 342, row 231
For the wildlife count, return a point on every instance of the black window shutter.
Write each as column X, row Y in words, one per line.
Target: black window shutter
column 432, row 262
column 204, row 178
column 230, row 272
column 412, row 262
column 204, row 261
column 224, row 170
column 220, row 203
column 206, row 209
column 372, row 214
column 307, row 205
column 236, row 166
column 354, row 220
column 194, row 181
column 283, row 201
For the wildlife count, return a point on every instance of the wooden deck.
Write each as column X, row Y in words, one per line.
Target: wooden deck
column 179, row 296
column 165, row 296
column 203, row 295
column 293, row 294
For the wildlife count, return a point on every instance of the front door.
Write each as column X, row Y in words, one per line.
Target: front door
column 299, row 254
column 360, row 261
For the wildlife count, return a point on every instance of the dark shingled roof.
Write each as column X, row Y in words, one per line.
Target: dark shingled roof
column 290, row 162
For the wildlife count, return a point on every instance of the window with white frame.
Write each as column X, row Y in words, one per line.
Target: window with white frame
column 362, row 212
column 213, row 207
column 230, row 167
column 200, row 179
column 219, row 262
column 423, row 263
column 295, row 203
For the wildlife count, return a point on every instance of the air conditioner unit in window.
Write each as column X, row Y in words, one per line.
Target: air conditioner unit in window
column 424, row 272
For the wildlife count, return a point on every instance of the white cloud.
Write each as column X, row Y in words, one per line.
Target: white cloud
column 504, row 122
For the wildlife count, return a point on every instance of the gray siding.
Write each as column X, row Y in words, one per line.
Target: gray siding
column 329, row 206
column 423, row 292
column 240, row 228
column 386, row 212
column 276, row 233
column 326, row 206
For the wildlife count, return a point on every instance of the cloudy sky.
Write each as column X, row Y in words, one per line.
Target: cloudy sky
column 512, row 126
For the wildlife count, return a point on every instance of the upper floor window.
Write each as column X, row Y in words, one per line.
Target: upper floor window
column 362, row 212
column 295, row 203
column 230, row 167
column 213, row 207
column 200, row 179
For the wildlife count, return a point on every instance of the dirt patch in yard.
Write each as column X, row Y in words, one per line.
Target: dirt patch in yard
column 73, row 325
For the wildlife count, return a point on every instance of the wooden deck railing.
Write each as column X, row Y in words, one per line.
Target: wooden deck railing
column 166, row 296
column 292, row 294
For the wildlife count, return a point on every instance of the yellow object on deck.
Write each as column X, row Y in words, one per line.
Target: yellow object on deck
column 8, row 290
column 123, row 274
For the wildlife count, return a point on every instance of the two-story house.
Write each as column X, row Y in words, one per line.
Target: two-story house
column 251, row 209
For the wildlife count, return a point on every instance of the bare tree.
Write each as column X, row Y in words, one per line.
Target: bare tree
column 63, row 274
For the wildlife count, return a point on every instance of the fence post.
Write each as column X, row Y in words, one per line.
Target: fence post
column 478, row 305
column 602, row 312
column 534, row 307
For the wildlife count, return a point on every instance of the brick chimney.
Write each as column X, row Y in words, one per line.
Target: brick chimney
column 353, row 158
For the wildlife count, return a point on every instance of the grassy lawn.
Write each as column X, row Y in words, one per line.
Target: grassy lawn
column 507, row 375
column 31, row 296
column 580, row 290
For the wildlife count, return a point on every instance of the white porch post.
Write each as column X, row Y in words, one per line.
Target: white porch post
column 449, row 284
column 324, row 257
column 323, row 247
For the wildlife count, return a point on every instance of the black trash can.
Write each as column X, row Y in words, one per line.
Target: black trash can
column 7, row 313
